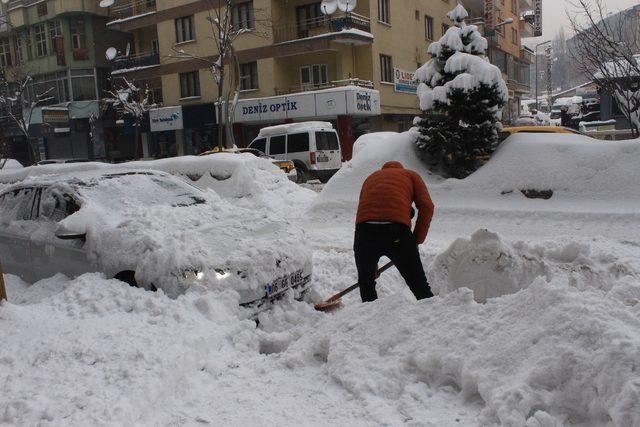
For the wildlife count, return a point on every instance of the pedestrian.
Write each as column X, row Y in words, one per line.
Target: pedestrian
column 383, row 228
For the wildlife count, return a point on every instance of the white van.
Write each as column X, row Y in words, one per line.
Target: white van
column 313, row 147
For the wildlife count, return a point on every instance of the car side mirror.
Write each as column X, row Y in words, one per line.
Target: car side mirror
column 66, row 234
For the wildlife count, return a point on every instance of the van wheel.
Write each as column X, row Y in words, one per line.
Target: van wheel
column 301, row 173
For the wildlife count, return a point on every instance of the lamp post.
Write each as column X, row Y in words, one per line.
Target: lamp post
column 536, row 52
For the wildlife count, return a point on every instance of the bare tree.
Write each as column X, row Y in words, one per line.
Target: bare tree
column 130, row 100
column 606, row 49
column 19, row 100
column 224, row 66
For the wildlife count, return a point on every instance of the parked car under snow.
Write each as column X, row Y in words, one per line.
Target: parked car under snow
column 152, row 230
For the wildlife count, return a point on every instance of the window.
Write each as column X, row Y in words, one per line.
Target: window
column 514, row 6
column 259, row 144
column 25, row 36
column 417, row 13
column 76, row 28
column 17, row 205
column 386, row 69
column 55, row 206
column 41, row 40
column 55, row 33
column 312, row 76
column 5, row 53
column 445, row 27
column 277, row 145
column 383, row 11
column 242, row 16
column 308, row 16
column 185, row 30
column 514, row 36
column 298, row 143
column 249, row 76
column 189, row 84
column 155, row 48
column 42, row 8
column 326, row 141
column 17, row 46
column 83, row 84
column 428, row 27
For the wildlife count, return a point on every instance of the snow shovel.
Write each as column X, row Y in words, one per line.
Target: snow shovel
column 335, row 301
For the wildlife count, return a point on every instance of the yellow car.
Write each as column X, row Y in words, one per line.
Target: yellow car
column 286, row 166
column 508, row 131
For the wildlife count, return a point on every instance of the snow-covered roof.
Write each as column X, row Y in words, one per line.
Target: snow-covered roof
column 294, row 127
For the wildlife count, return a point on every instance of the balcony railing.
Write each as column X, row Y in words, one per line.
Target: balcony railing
column 130, row 9
column 329, row 85
column 144, row 59
column 319, row 27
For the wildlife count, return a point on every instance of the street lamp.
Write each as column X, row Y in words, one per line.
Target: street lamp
column 536, row 52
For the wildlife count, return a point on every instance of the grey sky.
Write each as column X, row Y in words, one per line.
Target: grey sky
column 554, row 16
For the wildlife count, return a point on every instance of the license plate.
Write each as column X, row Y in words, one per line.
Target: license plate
column 284, row 282
column 323, row 158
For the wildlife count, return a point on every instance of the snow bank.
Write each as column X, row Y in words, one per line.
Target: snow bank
column 548, row 355
column 572, row 166
column 243, row 179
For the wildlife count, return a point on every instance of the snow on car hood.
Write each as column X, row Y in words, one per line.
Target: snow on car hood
column 205, row 244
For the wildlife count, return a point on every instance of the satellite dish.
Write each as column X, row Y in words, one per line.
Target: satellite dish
column 328, row 7
column 347, row 5
column 111, row 53
column 103, row 3
column 128, row 51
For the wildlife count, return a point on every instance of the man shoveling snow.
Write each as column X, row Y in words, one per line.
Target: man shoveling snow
column 383, row 228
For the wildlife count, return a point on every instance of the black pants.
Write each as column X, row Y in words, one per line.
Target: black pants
column 396, row 242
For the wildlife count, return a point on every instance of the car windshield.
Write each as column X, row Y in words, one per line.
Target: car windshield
column 139, row 188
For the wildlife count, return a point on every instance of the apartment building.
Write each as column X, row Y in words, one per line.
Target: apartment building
column 506, row 50
column 61, row 45
column 297, row 64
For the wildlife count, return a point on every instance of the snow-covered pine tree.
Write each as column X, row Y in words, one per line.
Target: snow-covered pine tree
column 461, row 96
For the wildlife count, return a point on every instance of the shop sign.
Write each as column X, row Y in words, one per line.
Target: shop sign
column 167, row 118
column 537, row 22
column 404, row 81
column 328, row 103
column 57, row 117
column 489, row 16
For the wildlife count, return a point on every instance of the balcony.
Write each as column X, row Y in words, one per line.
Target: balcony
column 350, row 28
column 526, row 28
column 129, row 10
column 329, row 85
column 124, row 64
column 526, row 5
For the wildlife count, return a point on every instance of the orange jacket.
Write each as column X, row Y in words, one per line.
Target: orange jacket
column 387, row 195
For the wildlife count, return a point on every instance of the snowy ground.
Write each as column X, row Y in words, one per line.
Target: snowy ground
column 554, row 340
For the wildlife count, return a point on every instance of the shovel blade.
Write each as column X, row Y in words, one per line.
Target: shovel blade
column 328, row 306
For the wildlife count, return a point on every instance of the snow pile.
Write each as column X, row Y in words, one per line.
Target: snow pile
column 492, row 267
column 243, row 179
column 549, row 355
column 6, row 164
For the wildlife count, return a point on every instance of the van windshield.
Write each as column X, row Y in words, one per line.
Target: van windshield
column 326, row 141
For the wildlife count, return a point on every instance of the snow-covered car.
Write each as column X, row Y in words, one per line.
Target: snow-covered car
column 285, row 166
column 152, row 230
column 6, row 164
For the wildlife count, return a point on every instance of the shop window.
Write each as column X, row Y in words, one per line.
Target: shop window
column 249, row 76
column 41, row 40
column 77, row 30
column 386, row 69
column 5, row 53
column 384, row 12
column 189, row 84
column 242, row 16
column 313, row 76
column 277, row 145
column 298, row 143
column 185, row 29
column 428, row 27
